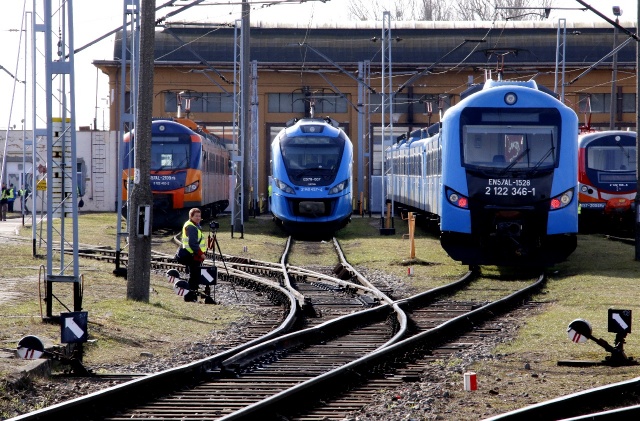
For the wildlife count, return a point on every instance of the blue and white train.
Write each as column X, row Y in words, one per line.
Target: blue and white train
column 311, row 177
column 499, row 174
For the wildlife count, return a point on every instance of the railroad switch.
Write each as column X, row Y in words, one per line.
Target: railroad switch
column 579, row 331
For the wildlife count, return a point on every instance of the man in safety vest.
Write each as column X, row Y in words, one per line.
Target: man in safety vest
column 24, row 194
column 195, row 243
column 11, row 197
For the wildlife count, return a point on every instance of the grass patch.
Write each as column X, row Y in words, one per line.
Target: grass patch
column 599, row 275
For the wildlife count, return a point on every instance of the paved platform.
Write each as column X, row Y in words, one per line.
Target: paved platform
column 13, row 224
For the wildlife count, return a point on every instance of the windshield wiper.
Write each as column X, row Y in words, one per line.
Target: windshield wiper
column 624, row 151
column 549, row 152
column 179, row 166
column 515, row 161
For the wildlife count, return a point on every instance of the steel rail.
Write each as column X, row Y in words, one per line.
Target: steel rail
column 303, row 394
column 401, row 316
column 569, row 405
column 287, row 282
column 171, row 379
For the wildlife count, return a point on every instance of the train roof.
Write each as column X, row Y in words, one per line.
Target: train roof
column 308, row 120
column 182, row 125
column 517, row 43
column 492, row 83
column 326, row 126
column 585, row 138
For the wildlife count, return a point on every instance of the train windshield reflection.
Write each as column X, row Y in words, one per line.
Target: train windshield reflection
column 611, row 158
column 510, row 147
column 311, row 154
column 169, row 156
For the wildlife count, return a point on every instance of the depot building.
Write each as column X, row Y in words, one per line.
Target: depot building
column 346, row 70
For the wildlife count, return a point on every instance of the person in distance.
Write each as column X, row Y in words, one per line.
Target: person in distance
column 4, row 202
column 11, row 197
column 194, row 242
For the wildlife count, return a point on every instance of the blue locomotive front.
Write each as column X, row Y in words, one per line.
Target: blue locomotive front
column 509, row 177
column 311, row 169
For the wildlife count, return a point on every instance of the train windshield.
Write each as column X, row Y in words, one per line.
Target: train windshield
column 509, row 147
column 306, row 156
column 169, row 153
column 612, row 157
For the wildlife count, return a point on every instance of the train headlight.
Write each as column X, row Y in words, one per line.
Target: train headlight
column 510, row 98
column 456, row 199
column 589, row 191
column 561, row 200
column 192, row 187
column 284, row 187
column 339, row 187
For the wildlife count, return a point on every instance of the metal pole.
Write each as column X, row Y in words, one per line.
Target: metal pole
column 255, row 145
column 382, row 122
column 561, row 38
column 637, row 148
column 236, row 156
column 361, row 125
column 391, row 97
column 245, row 111
column 35, row 28
column 23, row 182
column 127, row 116
column 614, row 77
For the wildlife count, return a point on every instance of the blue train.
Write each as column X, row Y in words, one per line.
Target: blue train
column 311, row 177
column 499, row 174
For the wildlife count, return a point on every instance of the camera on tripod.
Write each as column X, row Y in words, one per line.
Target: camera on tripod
column 214, row 225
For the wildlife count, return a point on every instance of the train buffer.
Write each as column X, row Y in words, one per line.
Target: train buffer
column 619, row 322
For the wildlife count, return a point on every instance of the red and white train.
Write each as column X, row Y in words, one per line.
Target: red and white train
column 607, row 179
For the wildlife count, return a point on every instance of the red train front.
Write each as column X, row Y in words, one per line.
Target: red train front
column 608, row 180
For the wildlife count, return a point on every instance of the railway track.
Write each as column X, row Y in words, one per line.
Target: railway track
column 439, row 325
column 617, row 401
column 322, row 292
column 347, row 332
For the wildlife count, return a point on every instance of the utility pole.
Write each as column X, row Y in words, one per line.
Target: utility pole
column 245, row 124
column 614, row 75
column 139, row 263
column 242, row 161
column 637, row 127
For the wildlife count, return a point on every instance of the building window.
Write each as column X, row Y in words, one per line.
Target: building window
column 628, row 103
column 601, row 103
column 402, row 102
column 199, row 102
column 295, row 103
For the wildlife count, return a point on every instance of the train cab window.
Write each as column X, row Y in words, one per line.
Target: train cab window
column 507, row 147
column 312, row 157
column 611, row 158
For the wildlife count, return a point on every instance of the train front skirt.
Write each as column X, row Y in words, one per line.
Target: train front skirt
column 506, row 251
column 312, row 215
